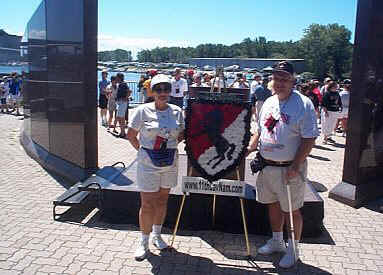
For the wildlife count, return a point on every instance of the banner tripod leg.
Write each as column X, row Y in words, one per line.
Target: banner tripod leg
column 180, row 212
column 214, row 198
column 178, row 219
column 248, row 256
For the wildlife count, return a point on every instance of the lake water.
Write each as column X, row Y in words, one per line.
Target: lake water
column 135, row 77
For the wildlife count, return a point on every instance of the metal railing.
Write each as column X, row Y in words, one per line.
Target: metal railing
column 137, row 97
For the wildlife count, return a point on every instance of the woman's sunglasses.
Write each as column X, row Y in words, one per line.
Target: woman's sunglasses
column 165, row 90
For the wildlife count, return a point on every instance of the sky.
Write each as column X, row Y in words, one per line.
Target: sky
column 135, row 25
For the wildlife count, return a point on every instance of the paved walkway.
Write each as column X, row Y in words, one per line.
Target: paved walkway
column 32, row 243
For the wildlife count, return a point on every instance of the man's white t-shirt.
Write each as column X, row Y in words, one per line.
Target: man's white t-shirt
column 5, row 89
column 296, row 119
column 253, row 85
column 179, row 87
column 153, row 124
column 240, row 85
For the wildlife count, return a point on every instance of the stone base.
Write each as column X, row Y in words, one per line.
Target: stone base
column 122, row 203
column 356, row 195
column 63, row 168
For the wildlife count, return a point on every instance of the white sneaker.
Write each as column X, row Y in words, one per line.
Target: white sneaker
column 288, row 260
column 142, row 251
column 159, row 242
column 272, row 246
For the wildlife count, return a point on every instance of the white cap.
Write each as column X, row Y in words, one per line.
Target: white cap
column 160, row 78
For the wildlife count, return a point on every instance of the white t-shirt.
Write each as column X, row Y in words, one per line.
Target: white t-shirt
column 296, row 119
column 345, row 98
column 218, row 83
column 179, row 87
column 240, row 85
column 4, row 89
column 154, row 126
column 252, row 86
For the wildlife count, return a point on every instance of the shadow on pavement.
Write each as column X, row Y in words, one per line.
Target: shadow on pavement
column 323, row 148
column 319, row 187
column 319, row 157
column 338, row 145
column 171, row 261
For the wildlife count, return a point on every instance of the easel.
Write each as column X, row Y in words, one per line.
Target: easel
column 248, row 256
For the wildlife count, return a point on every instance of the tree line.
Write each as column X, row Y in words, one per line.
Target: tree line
column 326, row 49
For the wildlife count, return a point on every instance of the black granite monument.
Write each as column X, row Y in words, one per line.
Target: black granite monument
column 60, row 91
column 363, row 163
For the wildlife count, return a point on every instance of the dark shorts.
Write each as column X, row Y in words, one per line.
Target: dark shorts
column 103, row 102
column 3, row 101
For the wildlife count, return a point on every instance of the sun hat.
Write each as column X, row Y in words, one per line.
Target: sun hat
column 160, row 78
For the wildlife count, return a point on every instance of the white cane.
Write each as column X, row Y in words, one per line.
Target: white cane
column 291, row 220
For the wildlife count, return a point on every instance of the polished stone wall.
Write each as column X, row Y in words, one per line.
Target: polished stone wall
column 363, row 163
column 61, row 86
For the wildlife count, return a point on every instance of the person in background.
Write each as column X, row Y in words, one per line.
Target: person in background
column 257, row 80
column 308, row 90
column 189, row 77
column 198, row 81
column 331, row 107
column 240, row 82
column 179, row 89
column 140, row 88
column 149, row 93
column 111, row 93
column 4, row 90
column 122, row 98
column 324, row 88
column 14, row 93
column 159, row 127
column 261, row 93
column 206, row 79
column 345, row 99
column 103, row 100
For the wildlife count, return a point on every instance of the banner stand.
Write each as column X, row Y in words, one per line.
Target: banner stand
column 248, row 256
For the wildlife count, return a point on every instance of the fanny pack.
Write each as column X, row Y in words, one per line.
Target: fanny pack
column 258, row 163
column 161, row 158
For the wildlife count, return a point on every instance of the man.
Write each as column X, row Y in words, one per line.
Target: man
column 240, row 82
column 179, row 89
column 122, row 98
column 256, row 82
column 345, row 99
column 323, row 90
column 14, row 93
column 4, row 89
column 198, row 81
column 103, row 100
column 111, row 92
column 261, row 93
column 286, row 133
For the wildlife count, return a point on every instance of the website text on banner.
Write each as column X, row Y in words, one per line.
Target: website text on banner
column 222, row 187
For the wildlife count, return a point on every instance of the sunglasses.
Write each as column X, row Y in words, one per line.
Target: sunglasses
column 161, row 90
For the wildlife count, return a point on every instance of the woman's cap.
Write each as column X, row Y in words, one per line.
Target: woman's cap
column 160, row 78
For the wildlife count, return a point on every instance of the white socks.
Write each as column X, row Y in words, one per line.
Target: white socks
column 144, row 238
column 277, row 236
column 156, row 229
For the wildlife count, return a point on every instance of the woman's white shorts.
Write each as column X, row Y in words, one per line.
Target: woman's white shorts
column 151, row 178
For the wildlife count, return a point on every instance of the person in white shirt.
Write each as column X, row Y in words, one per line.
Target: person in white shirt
column 155, row 130
column 256, row 81
column 345, row 98
column 179, row 89
column 4, row 92
column 286, row 132
column 111, row 94
column 240, row 82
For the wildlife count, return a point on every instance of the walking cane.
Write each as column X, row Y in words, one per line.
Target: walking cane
column 291, row 220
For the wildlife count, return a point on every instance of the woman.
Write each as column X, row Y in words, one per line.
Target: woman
column 160, row 127
column 331, row 106
column 111, row 93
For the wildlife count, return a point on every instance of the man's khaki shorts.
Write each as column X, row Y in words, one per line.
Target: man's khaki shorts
column 271, row 187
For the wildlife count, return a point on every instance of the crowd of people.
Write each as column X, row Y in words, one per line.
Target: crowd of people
column 11, row 94
column 330, row 100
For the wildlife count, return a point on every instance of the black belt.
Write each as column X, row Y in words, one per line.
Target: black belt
column 276, row 163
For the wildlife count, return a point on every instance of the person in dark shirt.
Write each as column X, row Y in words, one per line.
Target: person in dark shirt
column 307, row 90
column 331, row 108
